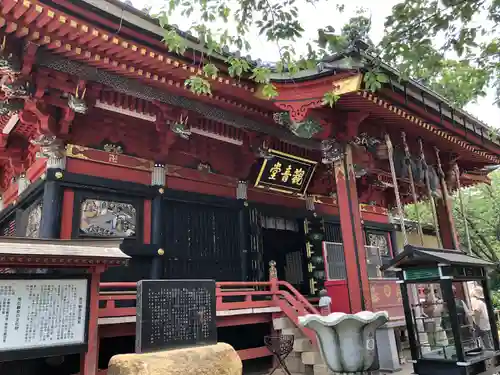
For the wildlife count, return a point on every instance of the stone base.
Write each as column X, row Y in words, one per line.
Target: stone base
column 220, row 359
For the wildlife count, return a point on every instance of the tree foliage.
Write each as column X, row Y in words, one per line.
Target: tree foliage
column 482, row 213
column 452, row 46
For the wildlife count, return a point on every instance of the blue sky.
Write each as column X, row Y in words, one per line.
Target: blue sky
column 324, row 14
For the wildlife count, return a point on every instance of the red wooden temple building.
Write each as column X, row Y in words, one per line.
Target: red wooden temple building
column 101, row 138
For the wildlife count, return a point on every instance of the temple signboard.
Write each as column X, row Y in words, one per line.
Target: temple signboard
column 386, row 296
column 40, row 315
column 174, row 314
column 285, row 173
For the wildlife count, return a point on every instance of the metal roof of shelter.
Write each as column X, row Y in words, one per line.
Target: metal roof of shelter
column 424, row 256
column 15, row 250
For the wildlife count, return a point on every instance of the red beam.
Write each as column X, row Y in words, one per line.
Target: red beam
column 147, row 222
column 253, row 353
column 240, row 320
column 67, row 214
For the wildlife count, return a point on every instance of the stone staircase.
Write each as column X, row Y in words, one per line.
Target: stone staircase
column 305, row 358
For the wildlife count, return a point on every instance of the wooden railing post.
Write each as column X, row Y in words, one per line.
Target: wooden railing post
column 273, row 279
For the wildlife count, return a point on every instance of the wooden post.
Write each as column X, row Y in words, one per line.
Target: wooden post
column 158, row 180
column 444, row 210
column 50, row 225
column 157, row 235
column 352, row 233
column 273, row 278
column 90, row 359
column 243, row 229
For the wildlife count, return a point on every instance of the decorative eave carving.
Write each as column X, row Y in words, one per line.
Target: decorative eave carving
column 300, row 98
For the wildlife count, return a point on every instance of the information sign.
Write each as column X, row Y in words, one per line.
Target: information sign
column 42, row 313
column 175, row 313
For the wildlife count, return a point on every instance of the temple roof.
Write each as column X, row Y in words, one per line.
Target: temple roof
column 334, row 64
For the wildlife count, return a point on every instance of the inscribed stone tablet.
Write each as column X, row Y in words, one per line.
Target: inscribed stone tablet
column 42, row 313
column 175, row 313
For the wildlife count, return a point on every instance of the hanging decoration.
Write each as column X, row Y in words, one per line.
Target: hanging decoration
column 381, row 151
column 262, row 151
column 400, row 163
column 302, row 129
column 77, row 103
column 16, row 89
column 418, row 171
column 359, row 171
column 204, row 167
column 445, row 194
column 430, row 194
column 456, row 172
column 434, row 182
column 331, row 151
column 113, row 148
column 370, row 143
column 10, row 106
column 410, row 167
column 9, row 63
column 50, row 146
column 181, row 127
column 399, row 206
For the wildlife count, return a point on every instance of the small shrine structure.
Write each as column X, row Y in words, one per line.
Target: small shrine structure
column 100, row 138
column 446, row 334
column 49, row 301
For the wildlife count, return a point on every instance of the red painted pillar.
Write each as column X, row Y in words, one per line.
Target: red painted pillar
column 352, row 234
column 90, row 359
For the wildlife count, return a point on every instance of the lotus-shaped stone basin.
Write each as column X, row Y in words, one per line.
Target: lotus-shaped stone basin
column 346, row 341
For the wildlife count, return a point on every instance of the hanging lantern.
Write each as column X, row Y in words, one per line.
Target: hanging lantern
column 10, row 106
column 77, row 103
column 181, row 128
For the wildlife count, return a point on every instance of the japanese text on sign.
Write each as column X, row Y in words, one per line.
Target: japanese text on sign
column 42, row 313
column 285, row 173
column 173, row 313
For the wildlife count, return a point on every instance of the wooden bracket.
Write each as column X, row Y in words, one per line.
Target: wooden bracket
column 35, row 113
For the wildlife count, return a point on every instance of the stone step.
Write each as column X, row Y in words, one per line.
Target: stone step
column 282, row 372
column 302, row 345
column 321, row 370
column 295, row 364
column 283, row 323
column 296, row 332
column 312, row 358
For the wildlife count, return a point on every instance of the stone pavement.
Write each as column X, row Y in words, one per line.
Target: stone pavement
column 407, row 370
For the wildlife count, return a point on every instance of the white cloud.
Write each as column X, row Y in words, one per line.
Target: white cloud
column 325, row 14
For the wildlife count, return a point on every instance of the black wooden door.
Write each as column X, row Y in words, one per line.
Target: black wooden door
column 202, row 242
column 256, row 254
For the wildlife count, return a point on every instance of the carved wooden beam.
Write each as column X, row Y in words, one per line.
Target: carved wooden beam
column 350, row 123
column 29, row 58
column 36, row 113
